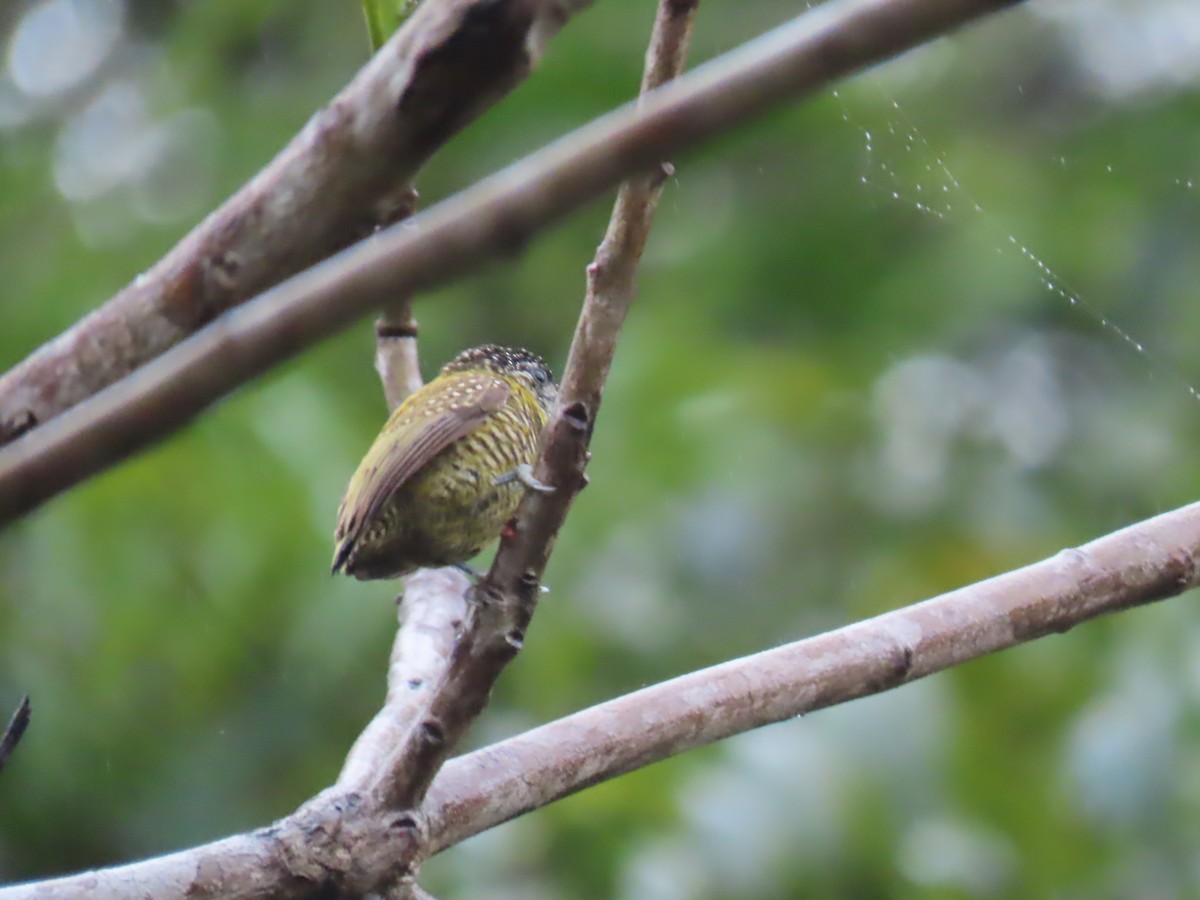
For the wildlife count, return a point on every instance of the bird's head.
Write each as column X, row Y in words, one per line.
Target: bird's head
column 509, row 362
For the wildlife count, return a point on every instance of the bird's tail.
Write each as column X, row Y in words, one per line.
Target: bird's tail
column 341, row 556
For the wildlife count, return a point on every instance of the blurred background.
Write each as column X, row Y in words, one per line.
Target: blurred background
column 886, row 344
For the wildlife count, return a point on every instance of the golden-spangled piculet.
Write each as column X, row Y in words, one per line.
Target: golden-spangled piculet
column 449, row 467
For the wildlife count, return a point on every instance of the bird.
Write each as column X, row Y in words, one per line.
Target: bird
column 448, row 468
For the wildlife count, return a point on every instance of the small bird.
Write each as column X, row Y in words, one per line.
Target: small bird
column 449, row 467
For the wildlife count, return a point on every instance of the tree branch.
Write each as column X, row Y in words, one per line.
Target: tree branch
column 396, row 358
column 1149, row 561
column 459, row 234
column 14, row 730
column 344, row 841
column 347, row 171
column 396, row 342
column 431, row 616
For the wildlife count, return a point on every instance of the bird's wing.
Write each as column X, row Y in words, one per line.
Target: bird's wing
column 429, row 421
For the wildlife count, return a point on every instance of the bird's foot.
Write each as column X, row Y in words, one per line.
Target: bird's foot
column 524, row 474
column 474, row 574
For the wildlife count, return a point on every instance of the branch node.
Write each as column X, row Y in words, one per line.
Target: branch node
column 432, row 734
column 576, row 416
column 406, row 821
column 659, row 175
column 905, row 663
column 486, row 595
column 394, row 207
column 16, row 425
column 222, row 269
column 388, row 330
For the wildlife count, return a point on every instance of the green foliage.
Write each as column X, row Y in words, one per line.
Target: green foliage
column 828, row 403
column 383, row 17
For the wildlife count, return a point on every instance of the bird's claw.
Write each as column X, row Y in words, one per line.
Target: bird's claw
column 473, row 574
column 524, row 474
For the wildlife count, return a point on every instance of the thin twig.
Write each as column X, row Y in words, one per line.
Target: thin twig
column 14, row 730
column 396, row 358
column 344, row 174
column 1149, row 561
column 459, row 234
column 396, row 341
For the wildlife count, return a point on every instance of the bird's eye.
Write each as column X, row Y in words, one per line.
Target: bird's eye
column 539, row 375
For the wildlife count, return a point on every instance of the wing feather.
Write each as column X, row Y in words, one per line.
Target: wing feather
column 442, row 412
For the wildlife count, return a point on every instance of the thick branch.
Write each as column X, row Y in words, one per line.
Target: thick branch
column 1153, row 560
column 346, row 172
column 456, row 236
column 1150, row 561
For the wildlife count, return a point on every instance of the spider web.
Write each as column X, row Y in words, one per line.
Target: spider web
column 936, row 192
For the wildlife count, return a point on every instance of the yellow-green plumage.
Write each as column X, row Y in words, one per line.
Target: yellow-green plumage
column 426, row 493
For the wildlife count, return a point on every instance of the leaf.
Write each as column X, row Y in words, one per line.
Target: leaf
column 384, row 17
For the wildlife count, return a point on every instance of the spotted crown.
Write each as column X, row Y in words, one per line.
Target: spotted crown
column 509, row 361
